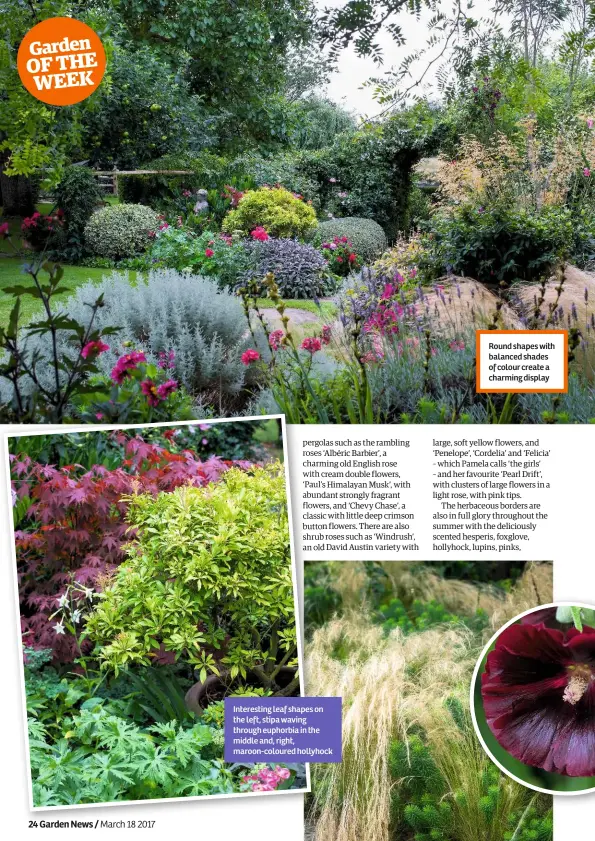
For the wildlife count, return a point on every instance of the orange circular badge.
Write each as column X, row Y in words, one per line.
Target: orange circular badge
column 61, row 61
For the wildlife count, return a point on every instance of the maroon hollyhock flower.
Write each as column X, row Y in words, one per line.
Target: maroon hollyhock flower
column 538, row 693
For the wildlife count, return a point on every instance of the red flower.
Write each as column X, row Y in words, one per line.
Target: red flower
column 250, row 356
column 209, row 252
column 352, row 257
column 339, row 259
column 4, row 230
column 93, row 349
column 149, row 389
column 311, row 344
column 326, row 334
column 260, row 234
column 538, row 693
column 275, row 339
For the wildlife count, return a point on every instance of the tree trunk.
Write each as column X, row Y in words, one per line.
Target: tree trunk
column 18, row 192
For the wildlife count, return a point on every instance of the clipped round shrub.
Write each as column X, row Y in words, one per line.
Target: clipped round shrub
column 300, row 270
column 120, row 231
column 275, row 209
column 366, row 236
column 77, row 195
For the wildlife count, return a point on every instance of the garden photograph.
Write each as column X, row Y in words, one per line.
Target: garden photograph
column 399, row 642
column 215, row 232
column 532, row 698
column 155, row 579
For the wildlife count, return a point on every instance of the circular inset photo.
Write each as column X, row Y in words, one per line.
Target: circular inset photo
column 533, row 698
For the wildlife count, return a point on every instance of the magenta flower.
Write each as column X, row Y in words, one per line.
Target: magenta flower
column 250, row 356
column 587, row 172
column 4, row 230
column 325, row 334
column 93, row 349
column 167, row 388
column 260, row 234
column 167, row 359
column 538, row 693
column 275, row 339
column 311, row 344
column 590, row 122
column 126, row 364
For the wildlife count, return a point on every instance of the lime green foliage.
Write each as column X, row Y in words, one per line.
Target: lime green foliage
column 275, row 209
column 367, row 237
column 120, row 231
column 208, row 578
column 424, row 801
column 421, row 615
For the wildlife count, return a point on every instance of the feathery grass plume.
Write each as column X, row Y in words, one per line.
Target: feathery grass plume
column 406, row 708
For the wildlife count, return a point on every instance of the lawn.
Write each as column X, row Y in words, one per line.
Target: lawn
column 11, row 273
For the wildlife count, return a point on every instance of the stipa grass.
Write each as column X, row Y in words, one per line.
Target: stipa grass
column 412, row 767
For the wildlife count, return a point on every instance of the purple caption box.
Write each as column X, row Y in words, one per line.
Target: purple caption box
column 282, row 730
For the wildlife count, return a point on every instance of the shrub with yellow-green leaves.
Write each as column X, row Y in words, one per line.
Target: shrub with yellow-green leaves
column 279, row 212
column 208, row 580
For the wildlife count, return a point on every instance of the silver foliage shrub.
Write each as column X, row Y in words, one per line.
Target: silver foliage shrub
column 204, row 326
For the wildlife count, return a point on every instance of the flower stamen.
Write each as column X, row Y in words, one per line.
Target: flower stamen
column 580, row 677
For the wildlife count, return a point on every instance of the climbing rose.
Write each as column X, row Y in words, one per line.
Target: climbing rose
column 93, row 349
column 311, row 344
column 538, row 693
column 249, row 356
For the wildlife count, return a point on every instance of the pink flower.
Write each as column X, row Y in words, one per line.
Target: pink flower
column 167, row 360
column 457, row 344
column 163, row 226
column 186, row 193
column 4, row 230
column 326, row 334
column 209, row 252
column 590, row 122
column 311, row 344
column 149, row 389
column 275, row 339
column 99, row 415
column 586, row 172
column 167, row 388
column 93, row 349
column 283, row 773
column 250, row 356
column 260, row 234
column 126, row 364
column 333, row 180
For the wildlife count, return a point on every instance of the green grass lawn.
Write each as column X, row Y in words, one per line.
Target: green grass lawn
column 11, row 273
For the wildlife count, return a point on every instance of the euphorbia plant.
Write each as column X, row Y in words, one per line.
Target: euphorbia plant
column 207, row 581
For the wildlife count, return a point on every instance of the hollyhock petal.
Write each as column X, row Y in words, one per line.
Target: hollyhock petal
column 530, row 703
